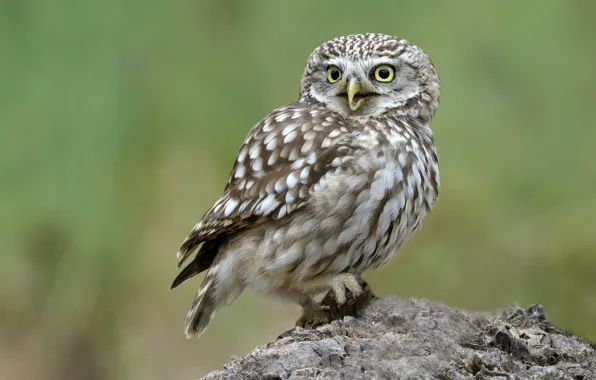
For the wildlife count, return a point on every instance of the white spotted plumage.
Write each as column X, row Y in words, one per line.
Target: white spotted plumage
column 320, row 192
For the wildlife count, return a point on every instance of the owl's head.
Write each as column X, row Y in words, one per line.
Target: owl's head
column 372, row 75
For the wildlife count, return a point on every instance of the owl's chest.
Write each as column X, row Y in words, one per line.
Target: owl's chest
column 402, row 188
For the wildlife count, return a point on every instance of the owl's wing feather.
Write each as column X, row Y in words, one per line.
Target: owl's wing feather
column 276, row 169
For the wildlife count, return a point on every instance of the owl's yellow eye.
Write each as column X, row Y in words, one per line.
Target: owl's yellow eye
column 333, row 74
column 384, row 73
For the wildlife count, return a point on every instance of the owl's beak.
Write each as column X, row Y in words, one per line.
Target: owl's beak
column 355, row 97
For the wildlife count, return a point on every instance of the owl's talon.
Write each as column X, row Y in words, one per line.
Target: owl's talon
column 313, row 318
column 286, row 333
column 345, row 281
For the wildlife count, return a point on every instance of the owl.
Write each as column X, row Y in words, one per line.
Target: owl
column 325, row 187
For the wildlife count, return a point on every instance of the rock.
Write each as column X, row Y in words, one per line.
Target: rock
column 408, row 338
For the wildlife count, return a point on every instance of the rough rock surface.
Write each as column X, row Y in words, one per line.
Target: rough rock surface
column 407, row 338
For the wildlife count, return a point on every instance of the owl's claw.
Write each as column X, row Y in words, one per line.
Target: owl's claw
column 336, row 303
column 312, row 318
column 345, row 281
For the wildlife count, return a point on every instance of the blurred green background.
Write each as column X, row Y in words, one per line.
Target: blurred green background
column 119, row 121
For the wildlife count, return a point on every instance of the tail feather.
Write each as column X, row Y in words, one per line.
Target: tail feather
column 203, row 308
column 217, row 289
column 202, row 262
column 189, row 271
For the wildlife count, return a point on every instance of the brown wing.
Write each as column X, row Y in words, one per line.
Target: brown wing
column 281, row 160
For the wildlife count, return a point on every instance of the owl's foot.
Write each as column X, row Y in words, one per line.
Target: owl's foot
column 314, row 317
column 313, row 314
column 344, row 281
column 311, row 318
column 354, row 303
column 316, row 314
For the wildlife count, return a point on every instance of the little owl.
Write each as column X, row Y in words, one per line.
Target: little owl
column 325, row 187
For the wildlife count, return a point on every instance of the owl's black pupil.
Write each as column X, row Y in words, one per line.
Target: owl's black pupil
column 384, row 73
column 335, row 74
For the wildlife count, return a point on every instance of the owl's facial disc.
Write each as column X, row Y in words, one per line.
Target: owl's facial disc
column 363, row 87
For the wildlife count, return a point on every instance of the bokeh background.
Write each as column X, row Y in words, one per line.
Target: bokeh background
column 119, row 121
